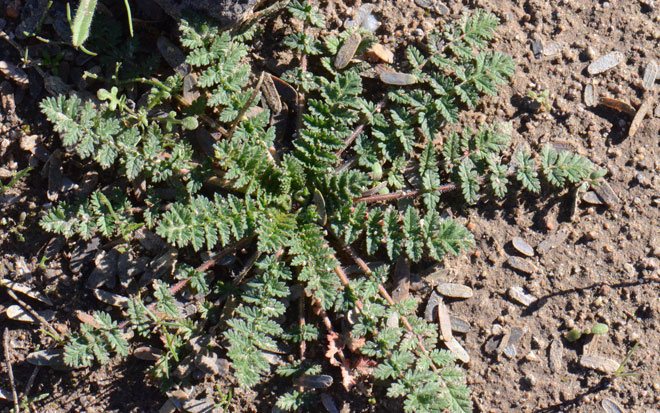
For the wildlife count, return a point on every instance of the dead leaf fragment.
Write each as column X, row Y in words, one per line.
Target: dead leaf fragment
column 618, row 105
column 604, row 63
column 458, row 350
column 602, row 364
column 454, row 290
column 380, row 52
column 397, row 78
column 14, row 73
column 590, row 95
column 639, row 116
column 650, row 74
column 444, row 321
column 147, row 353
column 347, row 50
column 24, row 289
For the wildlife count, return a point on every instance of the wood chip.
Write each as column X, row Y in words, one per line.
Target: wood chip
column 347, row 50
column 590, row 95
column 592, row 198
column 444, row 321
column 522, row 264
column 147, row 353
column 380, row 52
column 397, row 78
column 639, row 116
column 604, row 63
column 14, row 73
column 454, row 290
column 607, row 194
column 552, row 241
column 650, row 75
column 458, row 350
column 270, row 94
column 610, row 406
column 618, row 105
column 24, row 289
column 602, row 364
column 517, row 294
column 522, row 246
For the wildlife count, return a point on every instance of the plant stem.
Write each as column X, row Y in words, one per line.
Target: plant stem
column 402, row 194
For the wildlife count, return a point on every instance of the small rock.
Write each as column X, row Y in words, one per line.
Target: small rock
column 650, row 74
column 639, row 116
column 553, row 241
column 552, row 49
column 531, row 356
column 517, row 294
column 607, row 194
column 590, row 95
column 602, row 364
column 48, row 358
column 531, row 379
column 397, row 78
column 555, row 361
column 537, row 48
column 454, row 290
column 605, row 63
column 522, row 246
column 199, row 406
column 459, row 325
column 522, row 264
column 592, row 198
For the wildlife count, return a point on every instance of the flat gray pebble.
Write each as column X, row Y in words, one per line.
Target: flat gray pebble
column 522, row 246
column 604, row 63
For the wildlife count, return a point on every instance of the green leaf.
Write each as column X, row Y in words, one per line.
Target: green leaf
column 82, row 22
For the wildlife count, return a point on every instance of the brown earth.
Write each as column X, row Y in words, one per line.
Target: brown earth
column 603, row 264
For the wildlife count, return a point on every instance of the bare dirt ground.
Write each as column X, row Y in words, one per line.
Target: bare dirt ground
column 590, row 263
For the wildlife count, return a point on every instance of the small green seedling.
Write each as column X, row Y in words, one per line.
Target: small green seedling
column 14, row 180
column 82, row 22
column 542, row 99
column 597, row 329
column 619, row 372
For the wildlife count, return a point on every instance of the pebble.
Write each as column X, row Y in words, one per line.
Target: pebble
column 445, row 322
column 397, row 78
column 517, row 294
column 639, row 116
column 604, row 63
column 329, row 403
column 522, row 246
column 147, row 353
column 454, row 290
column 607, row 194
column 522, row 264
column 49, row 358
column 650, row 74
column 592, row 198
column 318, row 381
column 602, row 364
column 590, row 95
column 347, row 50
column 552, row 49
column 459, row 325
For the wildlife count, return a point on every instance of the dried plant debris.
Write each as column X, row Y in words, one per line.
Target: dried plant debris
column 271, row 95
column 650, row 75
column 602, row 364
column 455, row 347
column 607, row 194
column 553, row 241
column 639, row 116
column 605, row 63
column 590, row 95
column 522, row 246
column 610, row 406
column 26, row 290
column 517, row 294
column 398, row 79
column 454, row 290
column 618, row 105
column 347, row 50
column 14, row 73
column 522, row 264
